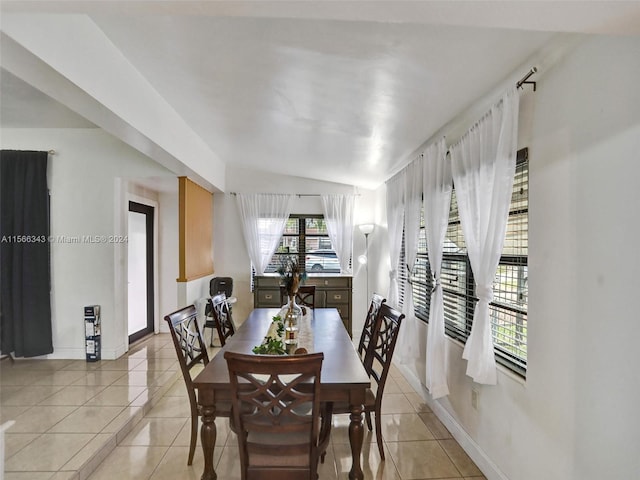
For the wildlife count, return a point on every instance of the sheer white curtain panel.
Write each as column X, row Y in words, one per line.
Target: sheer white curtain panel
column 338, row 215
column 408, row 336
column 395, row 221
column 437, row 199
column 263, row 217
column 483, row 165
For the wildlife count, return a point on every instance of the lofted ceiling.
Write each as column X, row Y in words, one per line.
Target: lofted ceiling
column 337, row 91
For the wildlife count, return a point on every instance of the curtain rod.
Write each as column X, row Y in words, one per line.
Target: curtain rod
column 524, row 79
column 302, row 194
column 51, row 152
column 519, row 83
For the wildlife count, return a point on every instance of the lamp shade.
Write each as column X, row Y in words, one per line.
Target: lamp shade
column 366, row 228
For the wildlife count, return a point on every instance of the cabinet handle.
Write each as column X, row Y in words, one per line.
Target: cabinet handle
column 337, row 297
column 268, row 297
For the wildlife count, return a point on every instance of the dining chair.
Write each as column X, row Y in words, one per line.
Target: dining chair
column 216, row 285
column 191, row 351
column 377, row 364
column 277, row 414
column 305, row 296
column 369, row 324
column 222, row 317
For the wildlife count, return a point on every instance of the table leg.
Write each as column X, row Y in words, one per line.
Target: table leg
column 208, row 438
column 356, row 435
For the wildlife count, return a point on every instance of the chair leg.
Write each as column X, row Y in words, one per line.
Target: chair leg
column 367, row 416
column 379, row 434
column 194, row 437
column 325, row 430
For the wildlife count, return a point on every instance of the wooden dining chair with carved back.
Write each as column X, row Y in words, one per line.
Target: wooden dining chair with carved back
column 191, row 351
column 369, row 324
column 222, row 317
column 305, row 296
column 277, row 414
column 377, row 363
column 216, row 285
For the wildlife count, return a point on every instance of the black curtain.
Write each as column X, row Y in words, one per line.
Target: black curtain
column 25, row 274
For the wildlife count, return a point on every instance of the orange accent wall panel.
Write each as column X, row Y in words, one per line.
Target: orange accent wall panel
column 196, row 230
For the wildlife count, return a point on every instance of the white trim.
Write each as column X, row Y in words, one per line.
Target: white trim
column 489, row 469
column 131, row 197
column 120, row 289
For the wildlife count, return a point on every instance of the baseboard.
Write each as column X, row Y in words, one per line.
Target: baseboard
column 64, row 354
column 483, row 462
column 77, row 354
column 115, row 353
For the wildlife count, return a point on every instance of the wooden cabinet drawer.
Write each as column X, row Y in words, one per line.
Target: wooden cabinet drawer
column 267, row 297
column 330, row 282
column 336, row 297
column 267, row 282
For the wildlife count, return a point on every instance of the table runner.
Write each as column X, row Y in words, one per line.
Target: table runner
column 304, row 334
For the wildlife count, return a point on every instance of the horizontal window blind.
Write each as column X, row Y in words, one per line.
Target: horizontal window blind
column 509, row 308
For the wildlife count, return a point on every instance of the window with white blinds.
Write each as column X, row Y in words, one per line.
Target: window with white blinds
column 510, row 289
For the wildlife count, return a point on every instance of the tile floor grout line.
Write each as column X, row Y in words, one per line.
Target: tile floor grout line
column 81, row 471
column 152, row 358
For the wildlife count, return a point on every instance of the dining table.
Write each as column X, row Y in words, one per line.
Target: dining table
column 343, row 376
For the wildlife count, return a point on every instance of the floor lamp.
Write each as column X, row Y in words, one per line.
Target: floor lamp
column 366, row 229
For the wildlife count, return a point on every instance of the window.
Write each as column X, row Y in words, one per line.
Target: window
column 509, row 308
column 306, row 236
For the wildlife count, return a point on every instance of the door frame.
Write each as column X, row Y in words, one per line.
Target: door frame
column 149, row 212
column 130, row 197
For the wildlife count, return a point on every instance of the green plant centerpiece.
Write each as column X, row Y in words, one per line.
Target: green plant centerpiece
column 291, row 277
column 273, row 343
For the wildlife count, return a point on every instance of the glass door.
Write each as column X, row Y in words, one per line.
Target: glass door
column 140, row 271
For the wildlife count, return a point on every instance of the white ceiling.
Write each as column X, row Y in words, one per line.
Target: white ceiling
column 338, row 91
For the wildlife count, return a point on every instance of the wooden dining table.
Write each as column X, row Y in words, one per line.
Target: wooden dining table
column 343, row 377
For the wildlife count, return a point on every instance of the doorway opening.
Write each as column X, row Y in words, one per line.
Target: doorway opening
column 140, row 271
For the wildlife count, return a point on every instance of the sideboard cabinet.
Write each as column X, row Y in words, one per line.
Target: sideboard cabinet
column 332, row 291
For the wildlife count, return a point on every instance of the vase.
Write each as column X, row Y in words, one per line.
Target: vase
column 291, row 318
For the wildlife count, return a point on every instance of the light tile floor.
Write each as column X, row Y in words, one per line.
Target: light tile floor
column 128, row 419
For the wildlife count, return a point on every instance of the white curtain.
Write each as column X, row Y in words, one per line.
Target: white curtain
column 408, row 335
column 395, row 220
column 263, row 218
column 437, row 199
column 338, row 214
column 483, row 164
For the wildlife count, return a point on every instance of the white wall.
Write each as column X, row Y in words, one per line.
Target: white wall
column 575, row 417
column 90, row 174
column 91, row 177
column 584, row 195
